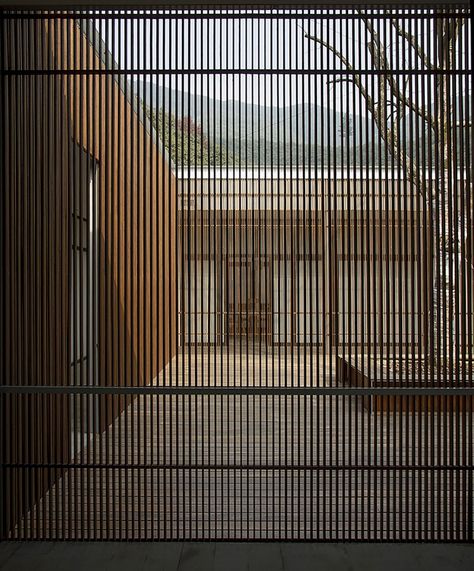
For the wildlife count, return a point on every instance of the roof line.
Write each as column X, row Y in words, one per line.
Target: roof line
column 93, row 36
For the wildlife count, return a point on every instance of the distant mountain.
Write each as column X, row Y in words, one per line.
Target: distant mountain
column 236, row 120
column 250, row 133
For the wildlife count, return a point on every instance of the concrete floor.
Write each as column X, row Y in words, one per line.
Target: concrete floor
column 66, row 556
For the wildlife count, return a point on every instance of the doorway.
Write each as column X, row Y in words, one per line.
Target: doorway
column 249, row 307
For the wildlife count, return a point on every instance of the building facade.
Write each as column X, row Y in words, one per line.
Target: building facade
column 297, row 257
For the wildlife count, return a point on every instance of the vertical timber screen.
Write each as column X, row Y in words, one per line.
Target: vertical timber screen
column 238, row 289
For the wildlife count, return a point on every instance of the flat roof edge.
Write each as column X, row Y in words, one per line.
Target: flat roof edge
column 212, row 4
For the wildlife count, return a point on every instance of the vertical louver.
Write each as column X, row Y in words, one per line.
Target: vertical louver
column 237, row 297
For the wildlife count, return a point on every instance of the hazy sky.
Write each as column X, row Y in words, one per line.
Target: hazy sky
column 170, row 45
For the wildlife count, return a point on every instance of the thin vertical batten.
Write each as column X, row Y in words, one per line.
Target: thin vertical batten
column 171, row 469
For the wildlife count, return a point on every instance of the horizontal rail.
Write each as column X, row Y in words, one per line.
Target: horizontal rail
column 258, row 391
column 238, row 71
column 219, row 4
column 228, row 15
column 242, row 467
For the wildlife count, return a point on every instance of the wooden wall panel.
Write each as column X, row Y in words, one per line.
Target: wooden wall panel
column 137, row 213
column 35, row 429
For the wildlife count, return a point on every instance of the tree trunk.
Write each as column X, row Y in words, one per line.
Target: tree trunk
column 446, row 240
column 447, row 273
column 445, row 227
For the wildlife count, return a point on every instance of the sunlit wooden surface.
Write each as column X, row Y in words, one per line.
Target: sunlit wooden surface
column 260, row 466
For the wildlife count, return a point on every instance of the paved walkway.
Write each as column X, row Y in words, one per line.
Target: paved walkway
column 234, row 557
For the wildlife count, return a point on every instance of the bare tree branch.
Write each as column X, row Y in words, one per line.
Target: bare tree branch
column 391, row 135
column 396, row 91
column 381, row 62
column 356, row 79
column 413, row 41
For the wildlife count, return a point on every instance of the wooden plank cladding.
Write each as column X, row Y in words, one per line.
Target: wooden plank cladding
column 90, row 199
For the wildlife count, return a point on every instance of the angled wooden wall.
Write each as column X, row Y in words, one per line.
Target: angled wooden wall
column 44, row 114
